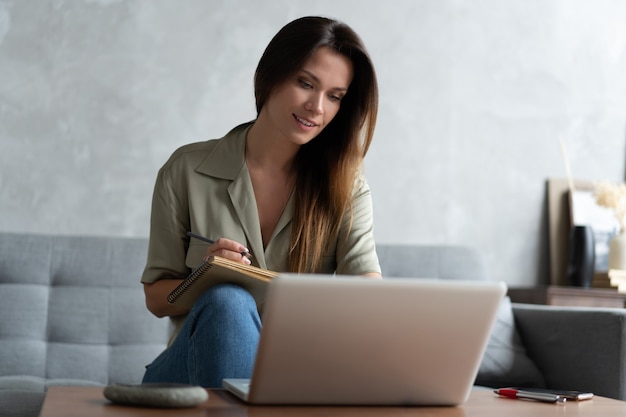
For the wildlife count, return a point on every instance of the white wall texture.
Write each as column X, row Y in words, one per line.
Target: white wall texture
column 96, row 94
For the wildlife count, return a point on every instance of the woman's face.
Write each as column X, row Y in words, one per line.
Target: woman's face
column 301, row 107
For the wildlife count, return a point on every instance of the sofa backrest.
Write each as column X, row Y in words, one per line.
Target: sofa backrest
column 73, row 308
column 431, row 261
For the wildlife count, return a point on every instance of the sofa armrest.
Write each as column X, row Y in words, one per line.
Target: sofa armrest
column 576, row 347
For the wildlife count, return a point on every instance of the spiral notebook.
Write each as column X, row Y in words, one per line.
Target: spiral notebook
column 216, row 270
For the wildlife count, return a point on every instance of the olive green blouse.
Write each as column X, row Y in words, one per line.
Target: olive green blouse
column 205, row 188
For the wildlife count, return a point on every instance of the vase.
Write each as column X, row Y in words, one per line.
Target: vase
column 582, row 256
column 617, row 252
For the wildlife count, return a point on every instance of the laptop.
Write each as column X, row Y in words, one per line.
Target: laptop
column 330, row 340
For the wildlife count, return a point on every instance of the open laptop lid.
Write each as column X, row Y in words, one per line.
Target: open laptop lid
column 355, row 341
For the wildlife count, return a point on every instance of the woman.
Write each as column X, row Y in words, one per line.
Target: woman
column 286, row 187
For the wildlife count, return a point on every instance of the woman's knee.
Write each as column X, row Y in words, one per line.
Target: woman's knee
column 224, row 312
column 224, row 299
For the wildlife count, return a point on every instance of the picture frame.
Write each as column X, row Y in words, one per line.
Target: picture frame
column 566, row 209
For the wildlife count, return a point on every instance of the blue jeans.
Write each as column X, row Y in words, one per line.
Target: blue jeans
column 218, row 340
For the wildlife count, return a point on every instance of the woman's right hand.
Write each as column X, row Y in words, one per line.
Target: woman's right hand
column 229, row 249
column 156, row 293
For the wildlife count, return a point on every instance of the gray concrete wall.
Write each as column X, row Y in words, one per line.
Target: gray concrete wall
column 95, row 95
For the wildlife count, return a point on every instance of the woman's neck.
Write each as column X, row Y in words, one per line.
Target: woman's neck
column 270, row 167
column 265, row 150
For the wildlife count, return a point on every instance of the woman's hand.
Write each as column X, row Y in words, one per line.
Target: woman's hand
column 229, row 249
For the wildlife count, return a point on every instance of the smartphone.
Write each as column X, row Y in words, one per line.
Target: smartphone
column 568, row 394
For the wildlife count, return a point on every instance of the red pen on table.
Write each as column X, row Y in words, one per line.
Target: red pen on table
column 530, row 395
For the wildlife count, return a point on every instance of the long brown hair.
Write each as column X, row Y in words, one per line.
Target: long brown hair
column 327, row 166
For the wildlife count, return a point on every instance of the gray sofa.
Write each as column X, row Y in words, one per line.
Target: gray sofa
column 73, row 313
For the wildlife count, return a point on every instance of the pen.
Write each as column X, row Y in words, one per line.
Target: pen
column 529, row 395
column 244, row 253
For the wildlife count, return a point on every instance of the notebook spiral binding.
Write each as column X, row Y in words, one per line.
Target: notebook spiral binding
column 188, row 282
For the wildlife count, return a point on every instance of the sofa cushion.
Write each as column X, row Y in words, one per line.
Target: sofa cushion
column 17, row 403
column 37, row 384
column 23, row 395
column 505, row 362
column 432, row 261
column 22, row 383
column 73, row 308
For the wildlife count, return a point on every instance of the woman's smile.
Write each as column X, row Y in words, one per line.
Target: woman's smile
column 306, row 123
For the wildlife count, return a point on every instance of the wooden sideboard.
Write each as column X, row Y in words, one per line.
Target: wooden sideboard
column 569, row 296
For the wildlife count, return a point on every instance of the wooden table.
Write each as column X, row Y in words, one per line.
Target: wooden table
column 89, row 401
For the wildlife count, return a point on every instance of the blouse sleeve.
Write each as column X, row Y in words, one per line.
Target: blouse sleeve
column 356, row 248
column 169, row 221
